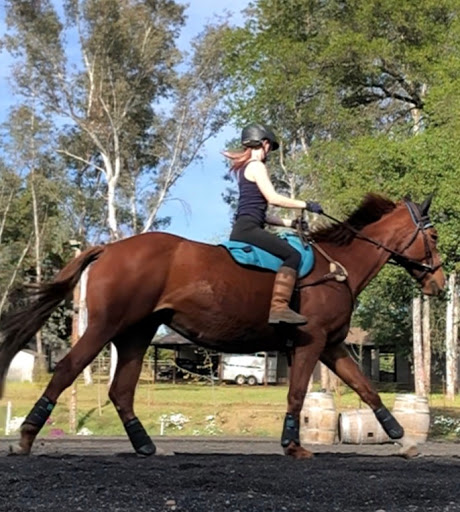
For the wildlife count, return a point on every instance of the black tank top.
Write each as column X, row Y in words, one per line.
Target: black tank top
column 251, row 200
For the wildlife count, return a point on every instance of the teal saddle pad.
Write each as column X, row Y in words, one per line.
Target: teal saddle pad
column 247, row 254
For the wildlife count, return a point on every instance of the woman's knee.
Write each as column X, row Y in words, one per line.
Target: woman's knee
column 293, row 260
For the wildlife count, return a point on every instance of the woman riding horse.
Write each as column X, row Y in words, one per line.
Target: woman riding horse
column 136, row 284
column 256, row 192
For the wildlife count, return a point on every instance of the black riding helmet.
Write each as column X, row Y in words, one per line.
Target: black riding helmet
column 253, row 134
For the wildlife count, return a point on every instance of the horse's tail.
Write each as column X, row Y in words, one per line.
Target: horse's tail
column 17, row 329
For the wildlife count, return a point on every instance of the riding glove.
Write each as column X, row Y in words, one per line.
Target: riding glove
column 313, row 207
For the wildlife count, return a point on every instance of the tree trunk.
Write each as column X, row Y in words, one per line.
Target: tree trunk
column 325, row 378
column 112, row 175
column 73, row 412
column 417, row 314
column 38, row 266
column 452, row 339
column 83, row 321
column 37, row 245
column 417, row 336
column 426, row 330
column 113, row 363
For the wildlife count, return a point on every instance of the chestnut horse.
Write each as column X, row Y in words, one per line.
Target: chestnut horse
column 137, row 284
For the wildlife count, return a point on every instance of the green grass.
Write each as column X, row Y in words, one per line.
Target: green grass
column 210, row 410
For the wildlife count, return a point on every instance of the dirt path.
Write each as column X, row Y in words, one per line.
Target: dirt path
column 223, row 474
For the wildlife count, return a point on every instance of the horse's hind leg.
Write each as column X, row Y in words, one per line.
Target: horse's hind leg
column 338, row 359
column 131, row 349
column 67, row 370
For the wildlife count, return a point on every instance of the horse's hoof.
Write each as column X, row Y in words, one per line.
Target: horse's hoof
column 18, row 450
column 163, row 453
column 409, row 448
column 298, row 452
column 410, row 452
column 147, row 450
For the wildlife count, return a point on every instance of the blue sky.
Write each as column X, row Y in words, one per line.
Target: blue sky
column 207, row 218
column 202, row 185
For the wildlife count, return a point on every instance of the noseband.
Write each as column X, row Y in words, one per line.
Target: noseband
column 422, row 223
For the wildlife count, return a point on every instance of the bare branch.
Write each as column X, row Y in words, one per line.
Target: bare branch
column 5, row 214
column 14, row 274
column 80, row 159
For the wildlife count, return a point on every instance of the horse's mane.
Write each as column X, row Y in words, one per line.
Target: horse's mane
column 371, row 209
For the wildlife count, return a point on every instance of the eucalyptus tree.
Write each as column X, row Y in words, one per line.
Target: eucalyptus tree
column 126, row 56
column 131, row 121
column 32, row 218
column 138, row 118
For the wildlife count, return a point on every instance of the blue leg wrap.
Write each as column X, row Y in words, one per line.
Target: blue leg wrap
column 40, row 412
column 290, row 431
column 139, row 438
column 389, row 423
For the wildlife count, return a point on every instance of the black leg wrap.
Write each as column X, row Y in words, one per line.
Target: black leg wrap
column 389, row 423
column 40, row 412
column 139, row 438
column 290, row 431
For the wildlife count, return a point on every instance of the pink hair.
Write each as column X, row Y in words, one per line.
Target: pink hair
column 239, row 158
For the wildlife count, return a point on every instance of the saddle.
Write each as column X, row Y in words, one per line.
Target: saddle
column 249, row 255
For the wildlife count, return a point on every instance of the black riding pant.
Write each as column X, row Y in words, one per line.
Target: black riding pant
column 248, row 230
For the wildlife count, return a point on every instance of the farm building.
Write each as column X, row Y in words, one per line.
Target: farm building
column 379, row 364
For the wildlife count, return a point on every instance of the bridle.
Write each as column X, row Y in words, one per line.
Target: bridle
column 416, row 268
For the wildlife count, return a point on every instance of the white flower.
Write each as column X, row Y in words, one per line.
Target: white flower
column 84, row 432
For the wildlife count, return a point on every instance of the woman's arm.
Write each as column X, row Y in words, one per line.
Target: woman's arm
column 258, row 172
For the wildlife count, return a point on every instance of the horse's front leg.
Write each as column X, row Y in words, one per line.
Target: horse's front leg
column 305, row 357
column 338, row 359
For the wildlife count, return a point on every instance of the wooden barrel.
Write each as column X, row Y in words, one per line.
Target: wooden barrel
column 413, row 413
column 318, row 419
column 360, row 426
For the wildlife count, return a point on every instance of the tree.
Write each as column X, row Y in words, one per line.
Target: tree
column 14, row 246
column 116, row 130
column 117, row 139
column 357, row 79
column 128, row 53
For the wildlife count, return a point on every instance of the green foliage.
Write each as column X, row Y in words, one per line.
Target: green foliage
column 384, row 310
column 348, row 85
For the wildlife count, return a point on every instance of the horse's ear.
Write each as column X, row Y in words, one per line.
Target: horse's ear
column 425, row 206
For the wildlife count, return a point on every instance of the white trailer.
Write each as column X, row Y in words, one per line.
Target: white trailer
column 249, row 368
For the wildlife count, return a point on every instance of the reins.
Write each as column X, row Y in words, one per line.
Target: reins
column 421, row 223
column 339, row 273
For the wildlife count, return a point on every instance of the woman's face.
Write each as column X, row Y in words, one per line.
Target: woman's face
column 262, row 151
column 267, row 146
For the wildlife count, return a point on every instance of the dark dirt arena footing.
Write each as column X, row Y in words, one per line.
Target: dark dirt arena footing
column 221, row 474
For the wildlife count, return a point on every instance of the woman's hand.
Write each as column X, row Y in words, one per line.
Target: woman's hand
column 313, row 207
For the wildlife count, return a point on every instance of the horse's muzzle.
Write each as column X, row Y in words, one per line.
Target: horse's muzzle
column 433, row 288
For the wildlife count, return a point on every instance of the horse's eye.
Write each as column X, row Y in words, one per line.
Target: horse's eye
column 434, row 237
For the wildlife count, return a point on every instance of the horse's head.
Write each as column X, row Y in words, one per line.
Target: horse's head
column 418, row 252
